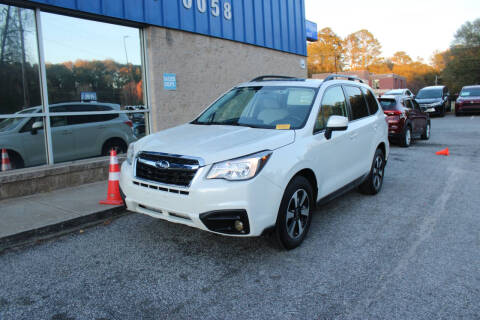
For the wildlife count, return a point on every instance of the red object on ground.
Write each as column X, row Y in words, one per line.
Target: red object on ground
column 5, row 161
column 444, row 152
column 113, row 193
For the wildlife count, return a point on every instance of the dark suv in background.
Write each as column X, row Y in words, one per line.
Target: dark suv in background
column 434, row 100
column 406, row 120
column 468, row 100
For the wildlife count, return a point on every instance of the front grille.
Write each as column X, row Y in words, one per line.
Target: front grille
column 180, row 172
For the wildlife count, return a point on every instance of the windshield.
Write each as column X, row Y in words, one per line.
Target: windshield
column 470, row 92
column 394, row 92
column 269, row 107
column 388, row 104
column 12, row 123
column 429, row 94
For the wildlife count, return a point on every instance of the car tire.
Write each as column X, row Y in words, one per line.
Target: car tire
column 117, row 144
column 374, row 181
column 406, row 138
column 426, row 132
column 442, row 113
column 295, row 213
column 16, row 160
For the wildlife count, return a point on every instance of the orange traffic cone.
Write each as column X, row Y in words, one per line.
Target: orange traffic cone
column 5, row 161
column 113, row 193
column 444, row 152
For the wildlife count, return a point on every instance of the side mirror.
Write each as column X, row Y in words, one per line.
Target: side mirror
column 37, row 125
column 335, row 123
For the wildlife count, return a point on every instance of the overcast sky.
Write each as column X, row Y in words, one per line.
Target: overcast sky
column 418, row 27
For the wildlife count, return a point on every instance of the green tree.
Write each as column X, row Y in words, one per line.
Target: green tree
column 462, row 61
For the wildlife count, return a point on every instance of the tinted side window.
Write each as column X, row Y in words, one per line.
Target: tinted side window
column 333, row 103
column 357, row 102
column 408, row 103
column 371, row 100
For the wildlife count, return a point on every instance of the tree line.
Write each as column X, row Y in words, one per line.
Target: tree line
column 455, row 67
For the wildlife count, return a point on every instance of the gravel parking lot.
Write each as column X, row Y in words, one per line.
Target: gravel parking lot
column 411, row 252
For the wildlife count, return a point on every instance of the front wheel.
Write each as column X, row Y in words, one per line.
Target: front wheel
column 374, row 181
column 426, row 132
column 295, row 213
column 114, row 144
column 406, row 138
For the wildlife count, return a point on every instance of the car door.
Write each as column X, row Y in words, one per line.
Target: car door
column 33, row 143
column 332, row 161
column 415, row 117
column 421, row 117
column 63, row 140
column 87, row 130
column 361, row 131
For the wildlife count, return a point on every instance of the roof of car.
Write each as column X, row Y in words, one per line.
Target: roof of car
column 391, row 97
column 433, row 87
column 301, row 82
column 472, row 86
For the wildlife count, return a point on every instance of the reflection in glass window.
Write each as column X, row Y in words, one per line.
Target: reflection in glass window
column 333, row 103
column 77, row 137
column 92, row 58
column 19, row 79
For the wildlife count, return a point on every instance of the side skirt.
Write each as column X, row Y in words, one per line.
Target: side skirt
column 350, row 186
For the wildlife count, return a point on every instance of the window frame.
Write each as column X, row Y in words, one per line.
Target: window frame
column 347, row 110
column 44, row 112
column 350, row 107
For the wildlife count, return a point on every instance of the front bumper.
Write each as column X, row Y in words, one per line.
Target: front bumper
column 437, row 110
column 258, row 197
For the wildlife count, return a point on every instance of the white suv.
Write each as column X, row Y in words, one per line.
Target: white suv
column 261, row 157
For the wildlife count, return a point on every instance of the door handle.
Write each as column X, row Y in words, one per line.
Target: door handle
column 67, row 132
column 102, row 127
column 375, row 126
column 353, row 135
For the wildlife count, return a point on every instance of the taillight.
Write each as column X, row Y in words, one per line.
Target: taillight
column 394, row 115
column 129, row 123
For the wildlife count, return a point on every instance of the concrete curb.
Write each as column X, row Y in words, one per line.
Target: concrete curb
column 61, row 228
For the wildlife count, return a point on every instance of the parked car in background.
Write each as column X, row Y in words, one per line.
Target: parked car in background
column 73, row 136
column 434, row 100
column 468, row 100
column 406, row 120
column 400, row 92
column 261, row 157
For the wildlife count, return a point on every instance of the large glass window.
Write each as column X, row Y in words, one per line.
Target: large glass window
column 19, row 79
column 20, row 88
column 93, row 73
column 372, row 101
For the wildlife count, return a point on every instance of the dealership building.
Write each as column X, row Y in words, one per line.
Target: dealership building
column 80, row 77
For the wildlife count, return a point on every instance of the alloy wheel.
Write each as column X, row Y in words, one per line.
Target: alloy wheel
column 298, row 210
column 378, row 172
column 408, row 137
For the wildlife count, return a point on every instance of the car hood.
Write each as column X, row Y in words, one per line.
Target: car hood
column 214, row 143
column 425, row 101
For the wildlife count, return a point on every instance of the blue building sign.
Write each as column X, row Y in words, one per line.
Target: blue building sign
column 311, row 28
column 88, row 96
column 275, row 24
column 169, row 81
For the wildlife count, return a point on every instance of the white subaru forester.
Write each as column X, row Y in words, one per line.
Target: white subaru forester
column 261, row 157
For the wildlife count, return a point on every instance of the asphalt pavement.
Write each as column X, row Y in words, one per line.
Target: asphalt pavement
column 411, row 252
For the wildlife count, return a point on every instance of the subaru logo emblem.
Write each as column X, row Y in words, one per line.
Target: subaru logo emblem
column 162, row 164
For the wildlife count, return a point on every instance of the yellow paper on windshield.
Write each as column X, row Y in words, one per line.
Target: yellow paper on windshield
column 283, row 126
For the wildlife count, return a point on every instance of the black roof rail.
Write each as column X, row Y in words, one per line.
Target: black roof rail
column 351, row 78
column 274, row 77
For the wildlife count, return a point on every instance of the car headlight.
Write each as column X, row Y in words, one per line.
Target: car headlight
column 436, row 104
column 130, row 153
column 243, row 168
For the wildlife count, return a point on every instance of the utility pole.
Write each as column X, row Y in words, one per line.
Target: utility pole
column 125, row 47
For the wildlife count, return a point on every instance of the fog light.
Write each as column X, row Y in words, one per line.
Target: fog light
column 238, row 225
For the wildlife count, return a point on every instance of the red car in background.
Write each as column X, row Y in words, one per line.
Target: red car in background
column 468, row 100
column 406, row 120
